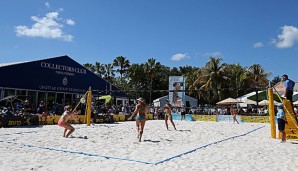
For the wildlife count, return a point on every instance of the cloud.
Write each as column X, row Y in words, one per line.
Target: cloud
column 213, row 54
column 179, row 56
column 70, row 22
column 49, row 26
column 258, row 45
column 287, row 38
column 47, row 4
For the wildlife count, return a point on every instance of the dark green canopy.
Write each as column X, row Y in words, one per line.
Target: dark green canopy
column 263, row 96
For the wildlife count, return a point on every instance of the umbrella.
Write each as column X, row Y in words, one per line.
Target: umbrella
column 10, row 99
column 262, row 96
column 228, row 101
column 266, row 102
column 107, row 98
column 250, row 102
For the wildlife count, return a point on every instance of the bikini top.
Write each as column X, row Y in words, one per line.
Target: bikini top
column 142, row 109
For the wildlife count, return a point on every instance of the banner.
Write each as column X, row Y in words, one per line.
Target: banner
column 53, row 120
column 255, row 119
column 27, row 120
column 206, row 118
column 177, row 91
column 103, row 119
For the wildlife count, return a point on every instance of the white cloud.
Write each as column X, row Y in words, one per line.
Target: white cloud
column 46, row 27
column 213, row 54
column 287, row 38
column 258, row 45
column 47, row 4
column 70, row 22
column 179, row 56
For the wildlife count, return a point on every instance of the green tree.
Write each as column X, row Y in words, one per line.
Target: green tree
column 89, row 66
column 108, row 72
column 275, row 80
column 238, row 79
column 151, row 69
column 175, row 72
column 215, row 76
column 258, row 77
column 122, row 63
column 135, row 74
column 196, row 80
column 99, row 69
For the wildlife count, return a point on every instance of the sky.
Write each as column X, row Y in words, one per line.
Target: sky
column 174, row 32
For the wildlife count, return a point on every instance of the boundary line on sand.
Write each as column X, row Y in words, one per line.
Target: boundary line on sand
column 125, row 159
column 204, row 146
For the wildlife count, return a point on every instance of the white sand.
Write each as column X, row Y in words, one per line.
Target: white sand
column 115, row 147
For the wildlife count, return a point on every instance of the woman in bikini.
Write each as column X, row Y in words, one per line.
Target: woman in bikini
column 68, row 113
column 234, row 112
column 168, row 113
column 141, row 110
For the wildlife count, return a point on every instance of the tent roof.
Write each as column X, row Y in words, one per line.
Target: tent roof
column 165, row 97
column 57, row 74
column 228, row 101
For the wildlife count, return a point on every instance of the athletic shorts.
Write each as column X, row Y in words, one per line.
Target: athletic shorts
column 60, row 123
column 290, row 95
column 281, row 124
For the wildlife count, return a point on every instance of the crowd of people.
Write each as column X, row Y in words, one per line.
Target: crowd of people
column 25, row 108
column 57, row 109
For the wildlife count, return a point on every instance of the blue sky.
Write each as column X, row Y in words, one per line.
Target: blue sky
column 174, row 32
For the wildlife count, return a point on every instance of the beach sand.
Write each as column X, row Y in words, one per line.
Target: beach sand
column 194, row 146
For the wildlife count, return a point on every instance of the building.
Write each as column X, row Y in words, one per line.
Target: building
column 53, row 80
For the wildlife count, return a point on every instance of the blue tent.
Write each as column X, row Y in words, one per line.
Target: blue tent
column 58, row 74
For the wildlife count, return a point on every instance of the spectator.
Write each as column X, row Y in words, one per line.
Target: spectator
column 18, row 106
column 41, row 107
column 220, row 111
column 27, row 107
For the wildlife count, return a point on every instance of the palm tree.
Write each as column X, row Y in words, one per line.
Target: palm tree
column 122, row 63
column 175, row 72
column 190, row 74
column 108, row 76
column 196, row 80
column 89, row 66
column 215, row 75
column 135, row 74
column 185, row 70
column 109, row 72
column 258, row 76
column 275, row 80
column 151, row 69
column 238, row 78
column 99, row 69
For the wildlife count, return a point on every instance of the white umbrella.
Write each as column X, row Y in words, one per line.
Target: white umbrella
column 248, row 101
column 266, row 103
column 228, row 101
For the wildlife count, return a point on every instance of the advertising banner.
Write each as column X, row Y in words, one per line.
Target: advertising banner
column 11, row 121
column 177, row 91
